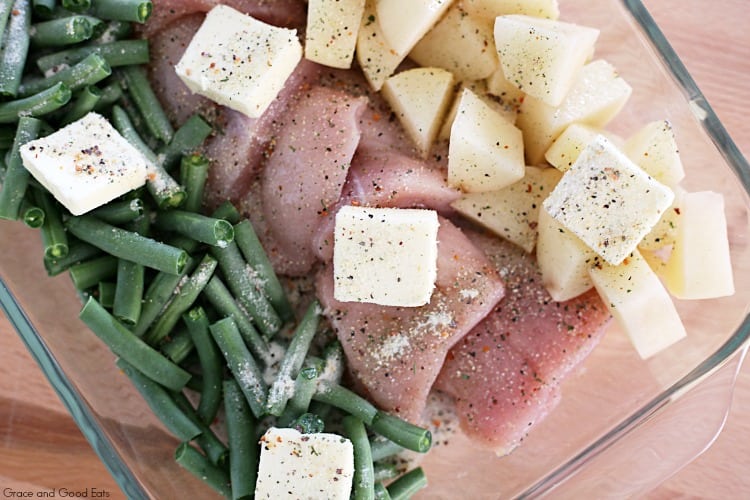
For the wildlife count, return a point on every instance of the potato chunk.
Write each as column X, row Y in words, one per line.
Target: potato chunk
column 331, row 34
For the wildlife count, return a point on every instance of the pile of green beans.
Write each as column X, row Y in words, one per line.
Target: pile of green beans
column 187, row 301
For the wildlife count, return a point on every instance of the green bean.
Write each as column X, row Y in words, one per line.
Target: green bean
column 215, row 450
column 89, row 71
column 15, row 47
column 139, row 88
column 304, row 388
column 255, row 255
column 222, row 299
column 116, row 53
column 128, row 244
column 363, row 484
column 59, row 32
column 179, row 346
column 161, row 403
column 36, row 105
column 215, row 232
column 106, row 291
column 290, row 365
column 210, row 361
column 16, row 180
column 384, row 448
column 187, row 138
column 228, row 212
column 90, row 272
column 43, row 8
column 129, row 292
column 384, row 471
column 76, row 5
column 31, row 214
column 115, row 30
column 344, row 399
column 381, row 493
column 158, row 294
column 198, row 465
column 407, row 485
column 182, row 301
column 402, row 432
column 244, row 453
column 78, row 252
column 132, row 349
column 193, row 175
column 137, row 11
column 241, row 364
column 84, row 100
column 54, row 237
column 120, row 212
column 246, row 289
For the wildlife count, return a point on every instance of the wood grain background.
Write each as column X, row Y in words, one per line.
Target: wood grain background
column 41, row 449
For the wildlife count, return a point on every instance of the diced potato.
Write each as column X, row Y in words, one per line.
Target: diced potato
column 512, row 212
column 663, row 233
column 542, row 57
column 479, row 88
column 490, row 9
column 459, row 43
column 506, row 92
column 608, row 201
column 654, row 149
column 639, row 303
column 699, row 266
column 566, row 148
column 485, row 151
column 420, row 98
column 374, row 54
column 404, row 23
column 564, row 260
column 595, row 98
column 331, row 33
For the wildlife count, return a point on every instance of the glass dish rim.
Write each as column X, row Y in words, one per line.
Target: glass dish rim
column 84, row 417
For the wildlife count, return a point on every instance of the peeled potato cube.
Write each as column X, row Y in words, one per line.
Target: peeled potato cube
column 420, row 98
column 564, row 260
column 490, row 9
column 459, row 43
column 595, row 98
column 542, row 57
column 512, row 212
column 699, row 266
column 331, row 34
column 404, row 23
column 374, row 54
column 479, row 88
column 485, row 151
column 566, row 148
column 654, row 149
column 639, row 303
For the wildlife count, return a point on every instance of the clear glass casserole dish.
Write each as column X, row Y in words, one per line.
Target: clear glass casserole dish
column 623, row 424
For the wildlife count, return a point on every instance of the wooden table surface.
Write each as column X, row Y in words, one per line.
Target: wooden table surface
column 41, row 448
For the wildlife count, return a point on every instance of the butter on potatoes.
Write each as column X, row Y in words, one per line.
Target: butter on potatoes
column 238, row 61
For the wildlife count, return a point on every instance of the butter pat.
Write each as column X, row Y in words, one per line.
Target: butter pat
column 85, row 164
column 386, row 256
column 312, row 466
column 608, row 201
column 238, row 61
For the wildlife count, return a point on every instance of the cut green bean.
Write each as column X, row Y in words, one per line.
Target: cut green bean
column 160, row 291
column 187, row 138
column 132, row 349
column 381, row 493
column 115, row 30
column 345, row 399
column 84, row 101
column 304, row 388
column 216, row 232
column 211, row 363
column 43, row 8
column 363, row 484
column 241, row 364
column 407, row 485
column 193, row 175
column 182, row 301
column 128, row 244
column 37, row 105
column 119, row 212
column 201, row 467
column 179, row 346
column 139, row 88
column 241, row 429
column 246, row 289
column 90, row 272
column 78, row 252
column 117, row 53
column 106, row 291
column 255, row 255
column 137, row 11
column 384, row 471
column 89, row 71
column 31, row 214
column 129, row 292
column 54, row 236
column 401, row 432
column 76, row 5
column 16, row 179
column 59, row 32
column 161, row 403
column 384, row 448
column 228, row 212
column 15, row 47
column 281, row 389
column 222, row 299
column 215, row 450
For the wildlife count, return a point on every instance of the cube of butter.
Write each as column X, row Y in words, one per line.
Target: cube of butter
column 386, row 256
column 85, row 164
column 238, row 61
column 295, row 465
column 608, row 201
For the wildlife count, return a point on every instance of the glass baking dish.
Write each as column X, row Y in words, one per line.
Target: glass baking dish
column 624, row 424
